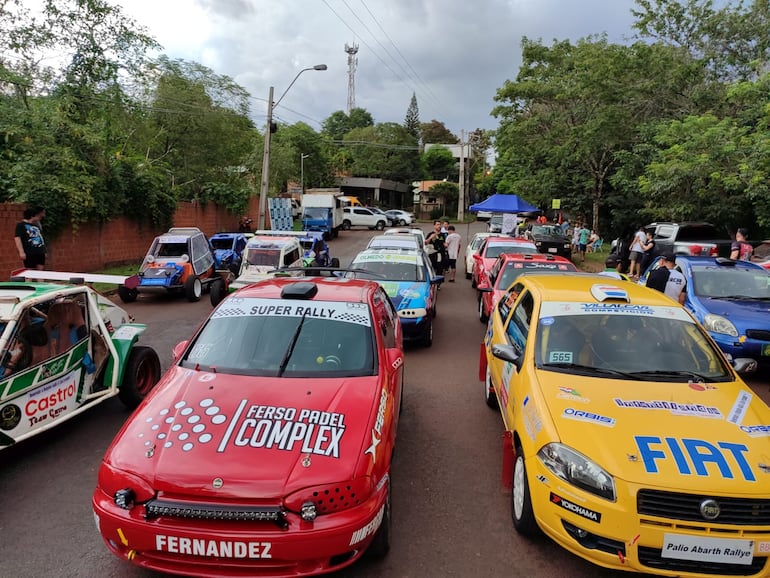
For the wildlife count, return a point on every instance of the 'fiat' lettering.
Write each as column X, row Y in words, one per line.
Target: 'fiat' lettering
column 216, row 548
column 692, row 455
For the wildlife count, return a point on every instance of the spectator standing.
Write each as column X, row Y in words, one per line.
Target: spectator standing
column 583, row 235
column 437, row 242
column 667, row 279
column 453, row 250
column 648, row 248
column 636, row 253
column 741, row 249
column 576, row 238
column 28, row 238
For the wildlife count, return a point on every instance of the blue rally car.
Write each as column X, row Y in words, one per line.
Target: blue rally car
column 410, row 282
column 731, row 299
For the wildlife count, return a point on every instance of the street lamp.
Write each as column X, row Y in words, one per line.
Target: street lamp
column 302, row 158
column 266, row 154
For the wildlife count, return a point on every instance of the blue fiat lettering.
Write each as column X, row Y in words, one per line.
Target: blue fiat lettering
column 699, row 452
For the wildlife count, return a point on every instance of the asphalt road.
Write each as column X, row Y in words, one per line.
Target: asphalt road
column 450, row 517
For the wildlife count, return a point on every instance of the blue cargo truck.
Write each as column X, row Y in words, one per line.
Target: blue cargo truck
column 322, row 212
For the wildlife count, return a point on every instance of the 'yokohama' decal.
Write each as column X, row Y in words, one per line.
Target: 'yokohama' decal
column 575, row 509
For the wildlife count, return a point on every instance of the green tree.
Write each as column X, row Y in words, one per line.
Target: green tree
column 412, row 119
column 385, row 150
column 449, row 193
column 435, row 132
column 438, row 162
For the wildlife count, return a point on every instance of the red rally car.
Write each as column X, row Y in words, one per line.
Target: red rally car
column 266, row 448
column 506, row 270
column 491, row 249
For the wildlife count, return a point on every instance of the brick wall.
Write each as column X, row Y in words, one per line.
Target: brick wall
column 96, row 246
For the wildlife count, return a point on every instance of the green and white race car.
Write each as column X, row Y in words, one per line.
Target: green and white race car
column 63, row 349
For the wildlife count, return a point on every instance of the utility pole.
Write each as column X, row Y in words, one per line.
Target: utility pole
column 302, row 158
column 265, row 163
column 461, row 197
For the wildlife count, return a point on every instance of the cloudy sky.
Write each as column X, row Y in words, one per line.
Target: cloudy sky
column 453, row 54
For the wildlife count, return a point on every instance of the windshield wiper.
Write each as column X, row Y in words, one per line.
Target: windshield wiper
column 591, row 368
column 292, row 344
column 675, row 373
column 741, row 298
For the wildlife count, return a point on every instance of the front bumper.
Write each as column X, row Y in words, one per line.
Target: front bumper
column 615, row 535
column 745, row 347
column 413, row 329
column 209, row 548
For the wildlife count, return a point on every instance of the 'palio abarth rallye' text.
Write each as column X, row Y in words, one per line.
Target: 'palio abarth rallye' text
column 266, row 450
column 630, row 439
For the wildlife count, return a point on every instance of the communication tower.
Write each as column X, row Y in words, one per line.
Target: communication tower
column 352, row 50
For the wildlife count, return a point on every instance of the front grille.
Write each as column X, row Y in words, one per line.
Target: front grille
column 686, row 507
column 230, row 513
column 651, row 557
column 759, row 334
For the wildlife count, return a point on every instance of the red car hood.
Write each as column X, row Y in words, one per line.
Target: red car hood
column 264, row 437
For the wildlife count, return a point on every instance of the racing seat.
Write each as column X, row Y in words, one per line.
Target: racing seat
column 35, row 337
column 66, row 325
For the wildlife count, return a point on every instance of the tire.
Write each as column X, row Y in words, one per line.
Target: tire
column 521, row 503
column 427, row 336
column 217, row 292
column 345, row 225
column 483, row 317
column 402, row 223
column 489, row 395
column 193, row 288
column 335, row 263
column 380, row 545
column 127, row 295
column 141, row 374
column 380, row 225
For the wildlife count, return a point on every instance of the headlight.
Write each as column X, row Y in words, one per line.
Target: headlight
column 415, row 313
column 578, row 470
column 719, row 324
column 330, row 498
column 126, row 489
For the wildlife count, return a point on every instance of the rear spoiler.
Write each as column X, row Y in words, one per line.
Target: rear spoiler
column 70, row 277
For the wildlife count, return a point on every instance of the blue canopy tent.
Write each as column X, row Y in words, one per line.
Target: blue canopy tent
column 504, row 204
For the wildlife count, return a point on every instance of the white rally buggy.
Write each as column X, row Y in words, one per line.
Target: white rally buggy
column 63, row 349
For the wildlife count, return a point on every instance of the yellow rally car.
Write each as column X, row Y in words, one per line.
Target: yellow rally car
column 630, row 439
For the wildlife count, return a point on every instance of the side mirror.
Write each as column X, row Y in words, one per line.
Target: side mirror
column 437, row 279
column 507, row 353
column 394, row 357
column 744, row 365
column 484, row 287
column 179, row 350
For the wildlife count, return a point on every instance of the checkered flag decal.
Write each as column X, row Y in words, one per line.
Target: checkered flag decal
column 229, row 311
column 349, row 317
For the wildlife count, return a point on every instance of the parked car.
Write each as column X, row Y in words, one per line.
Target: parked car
column 484, row 215
column 629, row 439
column 549, row 239
column 179, row 261
column 507, row 269
column 731, row 299
column 473, row 247
column 495, row 223
column 389, row 220
column 266, row 448
column 416, row 231
column 410, row 282
column 399, row 241
column 491, row 248
column 228, row 250
column 362, row 217
column 63, row 349
column 690, row 238
column 400, row 218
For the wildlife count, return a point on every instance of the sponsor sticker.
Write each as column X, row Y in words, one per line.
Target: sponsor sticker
column 212, row 548
column 690, row 409
column 756, row 431
column 590, row 417
column 741, row 405
column 369, row 529
column 701, row 549
column 575, row 508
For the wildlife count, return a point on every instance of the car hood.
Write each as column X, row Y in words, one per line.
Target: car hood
column 264, row 437
column 746, row 311
column 693, row 437
column 407, row 294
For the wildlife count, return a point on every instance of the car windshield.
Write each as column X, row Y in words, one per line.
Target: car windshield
column 546, row 231
column 494, row 251
column 316, row 212
column 407, row 269
column 644, row 343
column 263, row 257
column 273, row 337
column 731, row 282
column 171, row 250
column 221, row 243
